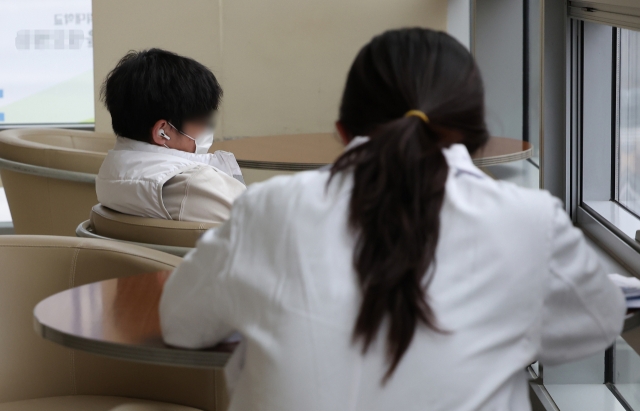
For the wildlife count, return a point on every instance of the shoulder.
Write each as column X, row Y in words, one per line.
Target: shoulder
column 502, row 207
column 130, row 163
column 538, row 209
column 204, row 172
column 532, row 200
column 498, row 193
column 207, row 179
column 526, row 196
column 280, row 196
column 296, row 185
column 538, row 214
column 142, row 157
column 531, row 204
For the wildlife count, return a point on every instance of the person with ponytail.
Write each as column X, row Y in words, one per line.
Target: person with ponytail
column 402, row 278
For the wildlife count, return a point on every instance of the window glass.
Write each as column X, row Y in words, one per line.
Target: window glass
column 46, row 50
column 533, row 55
column 507, row 47
column 627, row 372
column 628, row 120
column 597, row 97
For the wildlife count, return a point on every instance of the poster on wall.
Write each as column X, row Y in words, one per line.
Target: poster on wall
column 46, row 62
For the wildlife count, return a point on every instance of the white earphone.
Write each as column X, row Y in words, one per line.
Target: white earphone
column 164, row 135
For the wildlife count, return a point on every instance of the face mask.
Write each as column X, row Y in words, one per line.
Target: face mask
column 203, row 141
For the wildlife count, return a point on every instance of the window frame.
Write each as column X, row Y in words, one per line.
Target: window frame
column 72, row 126
column 608, row 223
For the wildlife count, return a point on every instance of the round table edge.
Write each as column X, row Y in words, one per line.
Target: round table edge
column 150, row 355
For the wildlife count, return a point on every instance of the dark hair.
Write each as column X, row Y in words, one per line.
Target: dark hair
column 150, row 85
column 400, row 173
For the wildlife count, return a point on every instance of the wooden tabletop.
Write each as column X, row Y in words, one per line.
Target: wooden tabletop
column 119, row 318
column 298, row 152
column 500, row 150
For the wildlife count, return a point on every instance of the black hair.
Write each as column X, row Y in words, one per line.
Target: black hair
column 150, row 85
column 400, row 173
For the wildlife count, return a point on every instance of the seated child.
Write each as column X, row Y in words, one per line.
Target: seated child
column 162, row 108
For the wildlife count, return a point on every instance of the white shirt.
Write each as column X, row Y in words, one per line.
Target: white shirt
column 515, row 283
column 146, row 180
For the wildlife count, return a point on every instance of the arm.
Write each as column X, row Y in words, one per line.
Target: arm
column 194, row 303
column 227, row 162
column 202, row 194
column 583, row 310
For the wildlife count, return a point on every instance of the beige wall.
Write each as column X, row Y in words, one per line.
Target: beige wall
column 188, row 27
column 282, row 63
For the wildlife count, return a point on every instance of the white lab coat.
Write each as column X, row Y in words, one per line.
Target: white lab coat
column 146, row 180
column 515, row 282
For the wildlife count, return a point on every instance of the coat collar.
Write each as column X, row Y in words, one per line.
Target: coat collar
column 222, row 160
column 123, row 143
column 457, row 157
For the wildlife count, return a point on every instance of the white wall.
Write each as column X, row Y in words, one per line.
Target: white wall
column 459, row 21
column 499, row 52
column 188, row 27
column 282, row 63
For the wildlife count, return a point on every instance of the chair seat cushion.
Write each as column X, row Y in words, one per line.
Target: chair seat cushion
column 112, row 224
column 90, row 403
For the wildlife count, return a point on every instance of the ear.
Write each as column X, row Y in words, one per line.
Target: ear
column 345, row 136
column 159, row 128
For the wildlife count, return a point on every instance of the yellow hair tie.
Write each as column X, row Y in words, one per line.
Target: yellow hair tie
column 419, row 114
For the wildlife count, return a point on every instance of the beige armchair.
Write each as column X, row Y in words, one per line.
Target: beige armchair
column 174, row 237
column 39, row 375
column 49, row 177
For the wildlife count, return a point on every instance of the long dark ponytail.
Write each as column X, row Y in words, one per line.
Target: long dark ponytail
column 400, row 173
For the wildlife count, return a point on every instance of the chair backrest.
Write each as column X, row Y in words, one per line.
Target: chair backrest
column 35, row 267
column 112, row 224
column 47, row 177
